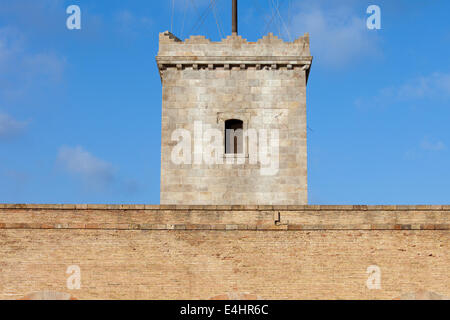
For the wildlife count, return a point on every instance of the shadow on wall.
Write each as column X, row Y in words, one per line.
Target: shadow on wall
column 422, row 295
column 53, row 295
column 48, row 295
column 418, row 295
column 236, row 296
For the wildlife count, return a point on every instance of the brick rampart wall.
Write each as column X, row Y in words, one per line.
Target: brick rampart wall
column 200, row 252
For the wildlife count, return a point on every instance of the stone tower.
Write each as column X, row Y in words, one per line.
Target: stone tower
column 233, row 120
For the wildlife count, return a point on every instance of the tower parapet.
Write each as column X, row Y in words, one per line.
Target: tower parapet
column 234, row 50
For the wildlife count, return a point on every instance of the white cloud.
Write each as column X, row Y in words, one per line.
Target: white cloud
column 9, row 127
column 47, row 65
column 428, row 145
column 435, row 86
column 93, row 171
column 36, row 18
column 129, row 23
column 11, row 44
column 425, row 147
column 96, row 174
column 22, row 71
column 338, row 34
column 180, row 5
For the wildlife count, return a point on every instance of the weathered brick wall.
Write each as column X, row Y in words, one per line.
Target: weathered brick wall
column 195, row 252
column 262, row 84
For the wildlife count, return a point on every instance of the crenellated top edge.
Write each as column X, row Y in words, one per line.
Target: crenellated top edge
column 270, row 38
column 233, row 46
column 167, row 37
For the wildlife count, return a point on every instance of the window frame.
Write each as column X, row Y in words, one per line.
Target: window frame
column 242, row 116
column 236, row 144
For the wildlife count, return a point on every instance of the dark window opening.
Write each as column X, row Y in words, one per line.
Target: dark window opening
column 233, row 136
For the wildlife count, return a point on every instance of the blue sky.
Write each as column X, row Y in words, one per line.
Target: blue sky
column 80, row 110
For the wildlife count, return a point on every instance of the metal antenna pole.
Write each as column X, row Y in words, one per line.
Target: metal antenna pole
column 234, row 29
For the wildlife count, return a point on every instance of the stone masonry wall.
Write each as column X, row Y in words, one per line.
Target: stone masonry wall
column 264, row 85
column 201, row 252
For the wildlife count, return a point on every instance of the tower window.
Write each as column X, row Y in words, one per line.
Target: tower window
column 233, row 136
